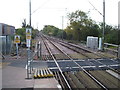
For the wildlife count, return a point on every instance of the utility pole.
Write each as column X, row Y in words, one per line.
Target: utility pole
column 30, row 12
column 29, row 43
column 103, row 33
column 62, row 25
column 103, row 37
column 118, row 56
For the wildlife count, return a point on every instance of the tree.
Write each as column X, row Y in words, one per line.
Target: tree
column 24, row 23
column 82, row 26
column 54, row 31
column 22, row 33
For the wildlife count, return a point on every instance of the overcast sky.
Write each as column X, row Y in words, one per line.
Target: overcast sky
column 50, row 12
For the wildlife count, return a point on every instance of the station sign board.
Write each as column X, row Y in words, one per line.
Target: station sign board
column 17, row 39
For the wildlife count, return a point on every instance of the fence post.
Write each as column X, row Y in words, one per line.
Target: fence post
column 39, row 50
column 118, row 51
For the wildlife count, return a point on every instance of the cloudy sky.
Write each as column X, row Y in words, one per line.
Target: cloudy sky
column 50, row 12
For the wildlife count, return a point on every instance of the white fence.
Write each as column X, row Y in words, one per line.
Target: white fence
column 117, row 50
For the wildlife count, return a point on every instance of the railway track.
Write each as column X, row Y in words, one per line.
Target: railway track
column 90, row 79
column 85, row 52
column 88, row 55
column 81, row 53
column 59, row 55
column 66, row 84
column 86, row 72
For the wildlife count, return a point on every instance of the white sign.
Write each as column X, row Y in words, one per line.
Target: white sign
column 17, row 39
column 28, row 43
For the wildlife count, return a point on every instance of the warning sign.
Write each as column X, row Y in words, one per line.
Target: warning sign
column 28, row 31
column 17, row 39
column 28, row 36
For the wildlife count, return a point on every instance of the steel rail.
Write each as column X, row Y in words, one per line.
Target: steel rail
column 82, row 68
column 69, row 48
column 91, row 52
column 108, row 66
column 75, row 50
column 60, row 79
column 102, row 56
column 48, row 48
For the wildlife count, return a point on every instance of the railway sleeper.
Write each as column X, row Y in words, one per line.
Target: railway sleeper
column 61, row 56
column 70, row 80
column 60, row 80
column 111, row 78
column 103, row 79
column 46, row 57
column 43, row 57
column 50, row 57
column 86, row 80
column 75, row 80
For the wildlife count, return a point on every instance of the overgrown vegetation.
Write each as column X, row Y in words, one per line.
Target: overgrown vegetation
column 54, row 31
column 82, row 26
column 22, row 33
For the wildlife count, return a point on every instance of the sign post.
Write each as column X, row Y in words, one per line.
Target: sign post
column 28, row 44
column 17, row 40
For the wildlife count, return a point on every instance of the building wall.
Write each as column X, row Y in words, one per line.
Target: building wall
column 6, row 31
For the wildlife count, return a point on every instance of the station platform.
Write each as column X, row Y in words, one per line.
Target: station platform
column 47, row 83
column 14, row 76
